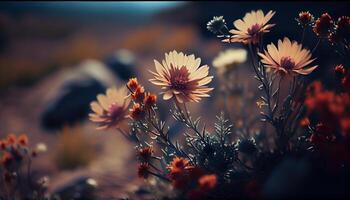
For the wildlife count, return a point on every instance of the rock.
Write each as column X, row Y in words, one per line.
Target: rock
column 79, row 86
column 81, row 188
column 122, row 64
column 72, row 105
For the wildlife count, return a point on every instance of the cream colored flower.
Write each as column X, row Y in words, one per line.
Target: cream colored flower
column 181, row 77
column 288, row 57
column 229, row 59
column 110, row 109
column 250, row 29
column 41, row 147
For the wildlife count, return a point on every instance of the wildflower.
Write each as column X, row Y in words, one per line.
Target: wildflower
column 305, row 19
column 110, row 109
column 150, row 100
column 45, row 181
column 250, row 29
column 207, row 182
column 178, row 163
column 323, row 25
column 314, row 88
column 305, row 122
column 139, row 94
column 145, row 154
column 181, row 77
column 137, row 112
column 289, row 57
column 3, row 144
column 261, row 103
column 341, row 31
column 6, row 159
column 229, row 59
column 334, row 38
column 133, row 84
column 143, row 170
column 23, row 140
column 343, row 26
column 39, row 148
column 217, row 25
column 11, row 139
column 339, row 71
column 345, row 126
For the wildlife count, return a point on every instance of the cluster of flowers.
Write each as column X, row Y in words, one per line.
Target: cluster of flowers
column 16, row 157
column 330, row 127
column 212, row 164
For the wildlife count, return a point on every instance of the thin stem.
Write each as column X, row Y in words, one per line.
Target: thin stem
column 315, row 47
column 265, row 87
column 28, row 171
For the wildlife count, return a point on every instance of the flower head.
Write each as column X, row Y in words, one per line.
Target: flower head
column 145, row 154
column 150, row 100
column 304, row 122
column 207, row 182
column 3, row 144
column 339, row 71
column 288, row 57
column 132, row 84
column 11, row 139
column 305, row 19
column 23, row 140
column 341, row 31
column 41, row 147
column 6, row 159
column 181, row 77
column 143, row 170
column 179, row 163
column 250, row 29
column 137, row 112
column 343, row 26
column 110, row 109
column 323, row 25
column 229, row 59
column 217, row 24
column 139, row 94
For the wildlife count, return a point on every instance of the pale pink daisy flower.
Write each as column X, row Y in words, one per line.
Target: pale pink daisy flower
column 251, row 27
column 110, row 109
column 182, row 77
column 288, row 58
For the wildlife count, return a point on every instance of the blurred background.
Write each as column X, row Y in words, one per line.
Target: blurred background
column 56, row 57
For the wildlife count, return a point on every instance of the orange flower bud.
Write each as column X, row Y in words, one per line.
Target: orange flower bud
column 150, row 100
column 23, row 140
column 137, row 112
column 133, row 84
column 139, row 94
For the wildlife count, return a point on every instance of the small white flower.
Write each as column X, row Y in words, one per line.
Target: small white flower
column 228, row 59
column 41, row 147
